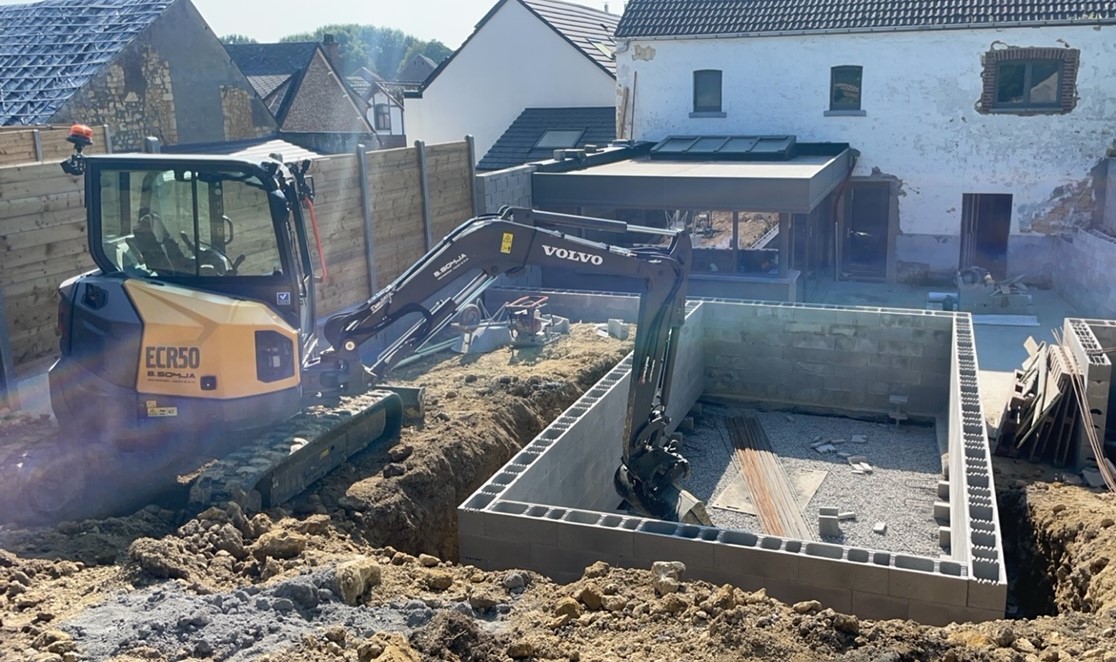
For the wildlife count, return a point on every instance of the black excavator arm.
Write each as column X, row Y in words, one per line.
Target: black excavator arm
column 493, row 245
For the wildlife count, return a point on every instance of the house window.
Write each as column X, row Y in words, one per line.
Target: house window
column 383, row 117
column 707, row 91
column 1030, row 80
column 844, row 87
column 559, row 138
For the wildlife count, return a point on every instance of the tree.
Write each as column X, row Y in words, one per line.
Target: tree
column 238, row 39
column 382, row 50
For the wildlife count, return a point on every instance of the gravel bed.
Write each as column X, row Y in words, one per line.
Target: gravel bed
column 239, row 625
column 900, row 491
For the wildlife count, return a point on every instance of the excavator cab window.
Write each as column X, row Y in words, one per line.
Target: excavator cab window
column 186, row 223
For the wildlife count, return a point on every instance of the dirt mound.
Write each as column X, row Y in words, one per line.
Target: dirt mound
column 362, row 568
column 481, row 410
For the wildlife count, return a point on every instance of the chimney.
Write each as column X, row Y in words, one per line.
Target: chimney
column 330, row 46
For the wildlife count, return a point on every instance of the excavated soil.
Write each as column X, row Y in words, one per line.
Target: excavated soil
column 363, row 568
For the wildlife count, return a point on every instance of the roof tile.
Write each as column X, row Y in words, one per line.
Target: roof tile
column 680, row 18
column 49, row 50
column 517, row 145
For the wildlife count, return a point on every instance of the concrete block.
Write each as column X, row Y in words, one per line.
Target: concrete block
column 941, row 511
column 927, row 587
column 879, row 607
column 988, row 596
column 608, row 541
column 791, row 592
column 489, row 554
column 944, row 537
column 826, row 573
column 562, row 564
column 754, row 561
column 518, row 527
column 869, row 578
column 828, row 527
column 721, row 577
column 654, row 547
column 936, row 614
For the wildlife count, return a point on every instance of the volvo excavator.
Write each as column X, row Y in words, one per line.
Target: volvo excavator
column 200, row 322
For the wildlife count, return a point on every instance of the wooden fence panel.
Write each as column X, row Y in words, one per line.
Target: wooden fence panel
column 43, row 230
column 450, row 187
column 396, row 190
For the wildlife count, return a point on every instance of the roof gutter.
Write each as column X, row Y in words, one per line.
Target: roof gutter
column 913, row 28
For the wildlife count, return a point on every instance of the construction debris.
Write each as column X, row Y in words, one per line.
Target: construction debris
column 880, row 528
column 860, row 464
column 1037, row 422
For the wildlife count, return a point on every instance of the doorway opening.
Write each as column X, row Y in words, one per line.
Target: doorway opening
column 866, row 230
column 985, row 227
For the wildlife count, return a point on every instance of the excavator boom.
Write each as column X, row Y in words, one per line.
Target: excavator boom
column 486, row 247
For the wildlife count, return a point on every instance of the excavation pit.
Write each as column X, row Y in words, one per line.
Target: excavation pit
column 552, row 509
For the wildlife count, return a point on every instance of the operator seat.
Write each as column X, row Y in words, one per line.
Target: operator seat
column 160, row 252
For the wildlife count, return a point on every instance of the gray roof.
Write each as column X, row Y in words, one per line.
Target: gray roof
column 517, row 145
column 50, row 49
column 417, row 70
column 680, row 18
column 588, row 29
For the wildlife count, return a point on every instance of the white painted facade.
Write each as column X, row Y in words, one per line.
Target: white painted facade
column 395, row 113
column 513, row 62
column 920, row 96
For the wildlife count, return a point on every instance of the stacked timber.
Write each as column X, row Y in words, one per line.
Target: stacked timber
column 1039, row 420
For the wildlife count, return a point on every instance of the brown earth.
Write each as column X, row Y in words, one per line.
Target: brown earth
column 389, row 542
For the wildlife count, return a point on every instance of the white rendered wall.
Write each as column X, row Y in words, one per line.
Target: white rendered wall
column 396, row 113
column 920, row 92
column 514, row 62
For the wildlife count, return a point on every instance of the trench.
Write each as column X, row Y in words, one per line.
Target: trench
column 1027, row 556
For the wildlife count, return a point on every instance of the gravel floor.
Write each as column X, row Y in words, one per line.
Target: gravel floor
column 900, row 491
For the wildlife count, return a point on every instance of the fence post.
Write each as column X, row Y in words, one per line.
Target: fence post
column 108, row 140
column 37, row 138
column 424, row 187
column 366, row 215
column 471, row 147
column 9, row 386
column 151, row 145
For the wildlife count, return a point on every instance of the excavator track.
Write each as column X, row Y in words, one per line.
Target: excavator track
column 47, row 475
column 287, row 458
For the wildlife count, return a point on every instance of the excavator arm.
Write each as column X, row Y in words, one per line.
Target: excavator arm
column 487, row 247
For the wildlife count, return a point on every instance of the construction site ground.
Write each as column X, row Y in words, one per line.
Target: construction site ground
column 363, row 567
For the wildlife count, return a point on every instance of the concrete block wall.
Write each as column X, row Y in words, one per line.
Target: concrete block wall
column 504, row 187
column 974, row 515
column 1105, row 333
column 572, row 462
column 505, row 524
column 1088, row 285
column 828, row 357
column 1089, row 357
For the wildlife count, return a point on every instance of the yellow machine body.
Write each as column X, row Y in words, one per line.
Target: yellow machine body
column 202, row 345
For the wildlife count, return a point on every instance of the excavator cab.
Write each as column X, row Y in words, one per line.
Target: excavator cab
column 201, row 307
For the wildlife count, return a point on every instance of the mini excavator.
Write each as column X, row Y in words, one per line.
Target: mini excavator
column 200, row 316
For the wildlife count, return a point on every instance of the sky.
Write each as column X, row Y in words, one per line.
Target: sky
column 449, row 21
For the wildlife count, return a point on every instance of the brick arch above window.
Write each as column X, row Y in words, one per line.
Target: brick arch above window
column 1030, row 81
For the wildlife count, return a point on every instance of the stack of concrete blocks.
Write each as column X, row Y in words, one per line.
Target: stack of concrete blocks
column 541, row 512
column 1087, row 342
